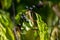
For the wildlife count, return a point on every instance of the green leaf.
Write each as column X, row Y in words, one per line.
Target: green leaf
column 43, row 29
column 6, row 4
column 18, row 1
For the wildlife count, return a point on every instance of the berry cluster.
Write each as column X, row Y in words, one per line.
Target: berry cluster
column 39, row 5
column 24, row 18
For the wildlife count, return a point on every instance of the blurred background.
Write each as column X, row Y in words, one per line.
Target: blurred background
column 29, row 19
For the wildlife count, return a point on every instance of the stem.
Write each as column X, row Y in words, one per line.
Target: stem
column 13, row 8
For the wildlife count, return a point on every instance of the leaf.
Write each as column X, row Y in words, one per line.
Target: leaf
column 18, row 1
column 10, row 33
column 6, row 4
column 6, row 26
column 43, row 30
column 29, row 35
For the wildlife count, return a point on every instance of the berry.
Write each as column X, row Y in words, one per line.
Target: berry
column 40, row 4
column 23, row 18
column 19, row 25
column 30, row 8
column 33, row 6
column 27, row 7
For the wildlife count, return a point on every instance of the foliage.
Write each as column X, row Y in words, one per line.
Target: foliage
column 43, row 29
column 6, row 25
column 32, row 19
